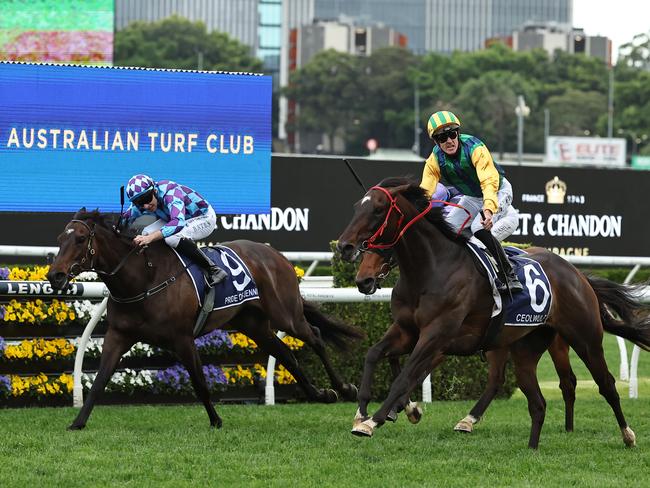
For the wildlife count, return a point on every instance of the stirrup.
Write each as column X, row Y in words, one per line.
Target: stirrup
column 214, row 277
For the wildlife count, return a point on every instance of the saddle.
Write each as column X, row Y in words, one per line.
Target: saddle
column 238, row 287
column 528, row 308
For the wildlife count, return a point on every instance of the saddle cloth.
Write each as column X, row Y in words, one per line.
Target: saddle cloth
column 529, row 307
column 237, row 288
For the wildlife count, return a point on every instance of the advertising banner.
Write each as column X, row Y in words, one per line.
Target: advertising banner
column 585, row 150
column 57, row 31
column 570, row 210
column 71, row 136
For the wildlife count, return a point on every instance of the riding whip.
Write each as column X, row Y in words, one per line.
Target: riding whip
column 356, row 176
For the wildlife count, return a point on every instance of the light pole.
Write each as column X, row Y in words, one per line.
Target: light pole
column 522, row 110
column 416, row 119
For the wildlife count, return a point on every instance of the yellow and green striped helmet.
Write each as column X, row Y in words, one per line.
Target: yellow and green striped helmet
column 440, row 120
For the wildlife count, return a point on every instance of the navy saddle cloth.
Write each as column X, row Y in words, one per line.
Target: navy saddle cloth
column 237, row 288
column 531, row 306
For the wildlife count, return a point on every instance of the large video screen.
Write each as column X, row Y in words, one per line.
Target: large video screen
column 57, row 31
column 70, row 136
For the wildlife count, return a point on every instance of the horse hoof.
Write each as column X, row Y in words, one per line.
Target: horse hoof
column 358, row 418
column 466, row 424
column 364, row 429
column 217, row 424
column 349, row 392
column 629, row 437
column 413, row 412
column 330, row 396
column 392, row 416
column 75, row 427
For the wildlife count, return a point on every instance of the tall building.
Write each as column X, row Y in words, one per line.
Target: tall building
column 405, row 16
column 565, row 38
column 465, row 25
column 307, row 41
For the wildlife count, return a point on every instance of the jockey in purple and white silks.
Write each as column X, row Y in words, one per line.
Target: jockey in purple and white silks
column 183, row 217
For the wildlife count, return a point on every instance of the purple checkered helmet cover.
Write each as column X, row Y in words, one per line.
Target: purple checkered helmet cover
column 138, row 185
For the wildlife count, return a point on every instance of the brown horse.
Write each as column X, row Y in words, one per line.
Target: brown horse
column 153, row 301
column 442, row 305
column 375, row 267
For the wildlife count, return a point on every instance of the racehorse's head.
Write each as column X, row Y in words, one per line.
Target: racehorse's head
column 76, row 248
column 377, row 219
column 374, row 267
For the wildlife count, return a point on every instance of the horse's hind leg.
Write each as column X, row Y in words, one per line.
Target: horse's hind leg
column 559, row 351
column 497, row 360
column 115, row 345
column 525, row 360
column 186, row 351
column 258, row 329
column 589, row 347
column 311, row 335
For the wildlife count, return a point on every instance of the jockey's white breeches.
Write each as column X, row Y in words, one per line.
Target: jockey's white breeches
column 195, row 228
column 505, row 220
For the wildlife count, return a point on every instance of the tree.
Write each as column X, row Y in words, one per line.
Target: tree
column 387, row 102
column 576, row 113
column 636, row 53
column 177, row 43
column 487, row 107
column 328, row 90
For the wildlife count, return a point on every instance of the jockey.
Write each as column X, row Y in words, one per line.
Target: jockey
column 464, row 162
column 183, row 216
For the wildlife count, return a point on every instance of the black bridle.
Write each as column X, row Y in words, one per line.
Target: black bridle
column 89, row 257
column 91, row 253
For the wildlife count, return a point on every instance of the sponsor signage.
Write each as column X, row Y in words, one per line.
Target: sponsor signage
column 38, row 288
column 586, row 150
column 570, row 210
column 71, row 134
column 640, row 162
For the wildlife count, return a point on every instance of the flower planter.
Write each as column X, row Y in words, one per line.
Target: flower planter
column 16, row 330
column 233, row 394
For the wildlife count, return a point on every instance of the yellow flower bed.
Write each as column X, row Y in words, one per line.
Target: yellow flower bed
column 38, row 311
column 244, row 342
column 238, row 375
column 299, row 272
column 41, row 385
column 40, row 348
column 28, row 274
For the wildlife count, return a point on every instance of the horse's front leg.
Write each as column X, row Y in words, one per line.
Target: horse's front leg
column 427, row 352
column 186, row 351
column 395, row 342
column 115, row 345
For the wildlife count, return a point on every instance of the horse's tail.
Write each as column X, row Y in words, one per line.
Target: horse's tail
column 633, row 322
column 331, row 330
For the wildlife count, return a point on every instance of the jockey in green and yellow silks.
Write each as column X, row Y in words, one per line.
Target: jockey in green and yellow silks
column 465, row 163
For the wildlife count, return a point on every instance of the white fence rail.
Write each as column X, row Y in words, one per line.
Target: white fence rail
column 316, row 289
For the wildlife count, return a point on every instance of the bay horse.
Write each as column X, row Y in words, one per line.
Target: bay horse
column 375, row 266
column 442, row 305
column 163, row 306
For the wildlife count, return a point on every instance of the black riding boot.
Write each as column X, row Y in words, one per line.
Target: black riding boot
column 188, row 248
column 494, row 246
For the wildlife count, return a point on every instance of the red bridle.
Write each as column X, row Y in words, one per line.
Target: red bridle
column 370, row 243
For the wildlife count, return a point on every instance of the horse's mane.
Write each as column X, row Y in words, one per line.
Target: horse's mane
column 416, row 195
column 105, row 220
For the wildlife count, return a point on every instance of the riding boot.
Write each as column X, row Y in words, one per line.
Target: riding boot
column 214, row 274
column 495, row 248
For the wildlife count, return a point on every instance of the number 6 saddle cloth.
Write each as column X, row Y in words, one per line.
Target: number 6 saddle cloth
column 531, row 306
column 237, row 288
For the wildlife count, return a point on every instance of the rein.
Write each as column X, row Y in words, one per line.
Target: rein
column 91, row 251
column 370, row 243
